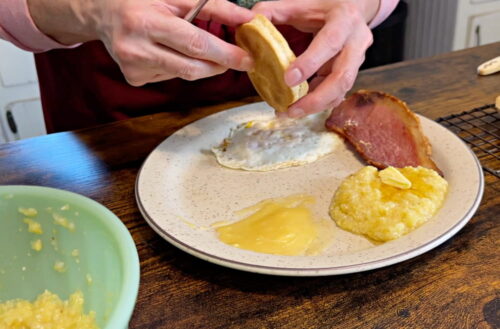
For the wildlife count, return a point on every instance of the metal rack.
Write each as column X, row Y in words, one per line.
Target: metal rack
column 480, row 129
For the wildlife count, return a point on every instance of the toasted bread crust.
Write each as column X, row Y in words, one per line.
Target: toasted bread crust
column 272, row 56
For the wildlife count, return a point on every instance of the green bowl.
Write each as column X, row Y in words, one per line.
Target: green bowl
column 105, row 267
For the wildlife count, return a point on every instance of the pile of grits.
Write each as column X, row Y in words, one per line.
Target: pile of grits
column 383, row 209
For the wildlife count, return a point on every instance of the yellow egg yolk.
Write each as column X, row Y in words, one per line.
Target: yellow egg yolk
column 282, row 226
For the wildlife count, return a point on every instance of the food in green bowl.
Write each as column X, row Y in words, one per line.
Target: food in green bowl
column 67, row 244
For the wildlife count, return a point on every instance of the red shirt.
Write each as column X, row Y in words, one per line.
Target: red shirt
column 83, row 86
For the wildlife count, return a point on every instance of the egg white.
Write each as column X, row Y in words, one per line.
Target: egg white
column 277, row 143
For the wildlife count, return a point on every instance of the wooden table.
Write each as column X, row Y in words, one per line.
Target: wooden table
column 455, row 285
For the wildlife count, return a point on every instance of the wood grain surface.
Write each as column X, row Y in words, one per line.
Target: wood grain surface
column 456, row 285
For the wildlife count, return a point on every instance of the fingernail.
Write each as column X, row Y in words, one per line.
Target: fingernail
column 247, row 63
column 296, row 113
column 293, row 77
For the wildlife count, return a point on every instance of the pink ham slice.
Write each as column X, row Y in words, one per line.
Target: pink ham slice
column 383, row 130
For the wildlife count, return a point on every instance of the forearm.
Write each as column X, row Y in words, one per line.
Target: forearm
column 17, row 26
column 66, row 21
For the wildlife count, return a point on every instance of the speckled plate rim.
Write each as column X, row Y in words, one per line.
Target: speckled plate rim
column 317, row 271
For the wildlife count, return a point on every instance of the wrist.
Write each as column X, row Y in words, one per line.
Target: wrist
column 62, row 20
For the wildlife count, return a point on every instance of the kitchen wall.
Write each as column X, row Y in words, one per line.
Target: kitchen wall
column 438, row 26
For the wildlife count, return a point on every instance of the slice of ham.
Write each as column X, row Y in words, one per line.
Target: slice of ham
column 383, row 130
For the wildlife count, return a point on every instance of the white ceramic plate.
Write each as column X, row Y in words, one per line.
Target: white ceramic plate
column 181, row 191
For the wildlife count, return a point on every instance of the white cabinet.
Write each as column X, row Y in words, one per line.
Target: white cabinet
column 438, row 26
column 478, row 23
column 20, row 108
column 484, row 29
column 25, row 118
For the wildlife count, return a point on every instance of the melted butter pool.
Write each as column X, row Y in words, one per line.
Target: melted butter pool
column 282, row 226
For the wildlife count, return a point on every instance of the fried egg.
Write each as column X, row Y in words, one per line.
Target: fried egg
column 277, row 143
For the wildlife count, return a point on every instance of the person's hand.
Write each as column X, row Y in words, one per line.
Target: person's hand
column 149, row 40
column 336, row 52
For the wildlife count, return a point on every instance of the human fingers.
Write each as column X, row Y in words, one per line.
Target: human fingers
column 225, row 12
column 294, row 13
column 157, row 63
column 329, row 90
column 328, row 42
column 279, row 12
column 221, row 11
column 187, row 39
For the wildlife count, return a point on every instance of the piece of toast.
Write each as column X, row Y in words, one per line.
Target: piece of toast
column 272, row 56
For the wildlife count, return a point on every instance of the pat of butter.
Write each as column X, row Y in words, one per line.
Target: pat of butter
column 393, row 177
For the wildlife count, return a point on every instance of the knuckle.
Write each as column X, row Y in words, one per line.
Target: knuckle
column 336, row 101
column 129, row 19
column 335, row 48
column 257, row 6
column 260, row 7
column 361, row 60
column 347, row 80
column 160, row 62
column 330, row 43
column 124, row 52
column 135, row 83
column 309, row 66
column 316, row 102
column 351, row 9
column 133, row 78
column 187, row 72
column 197, row 45
column 135, row 19
column 351, row 13
column 369, row 37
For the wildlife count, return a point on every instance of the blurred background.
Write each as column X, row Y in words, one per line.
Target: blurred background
column 417, row 28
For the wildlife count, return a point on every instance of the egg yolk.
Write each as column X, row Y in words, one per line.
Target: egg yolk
column 282, row 226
